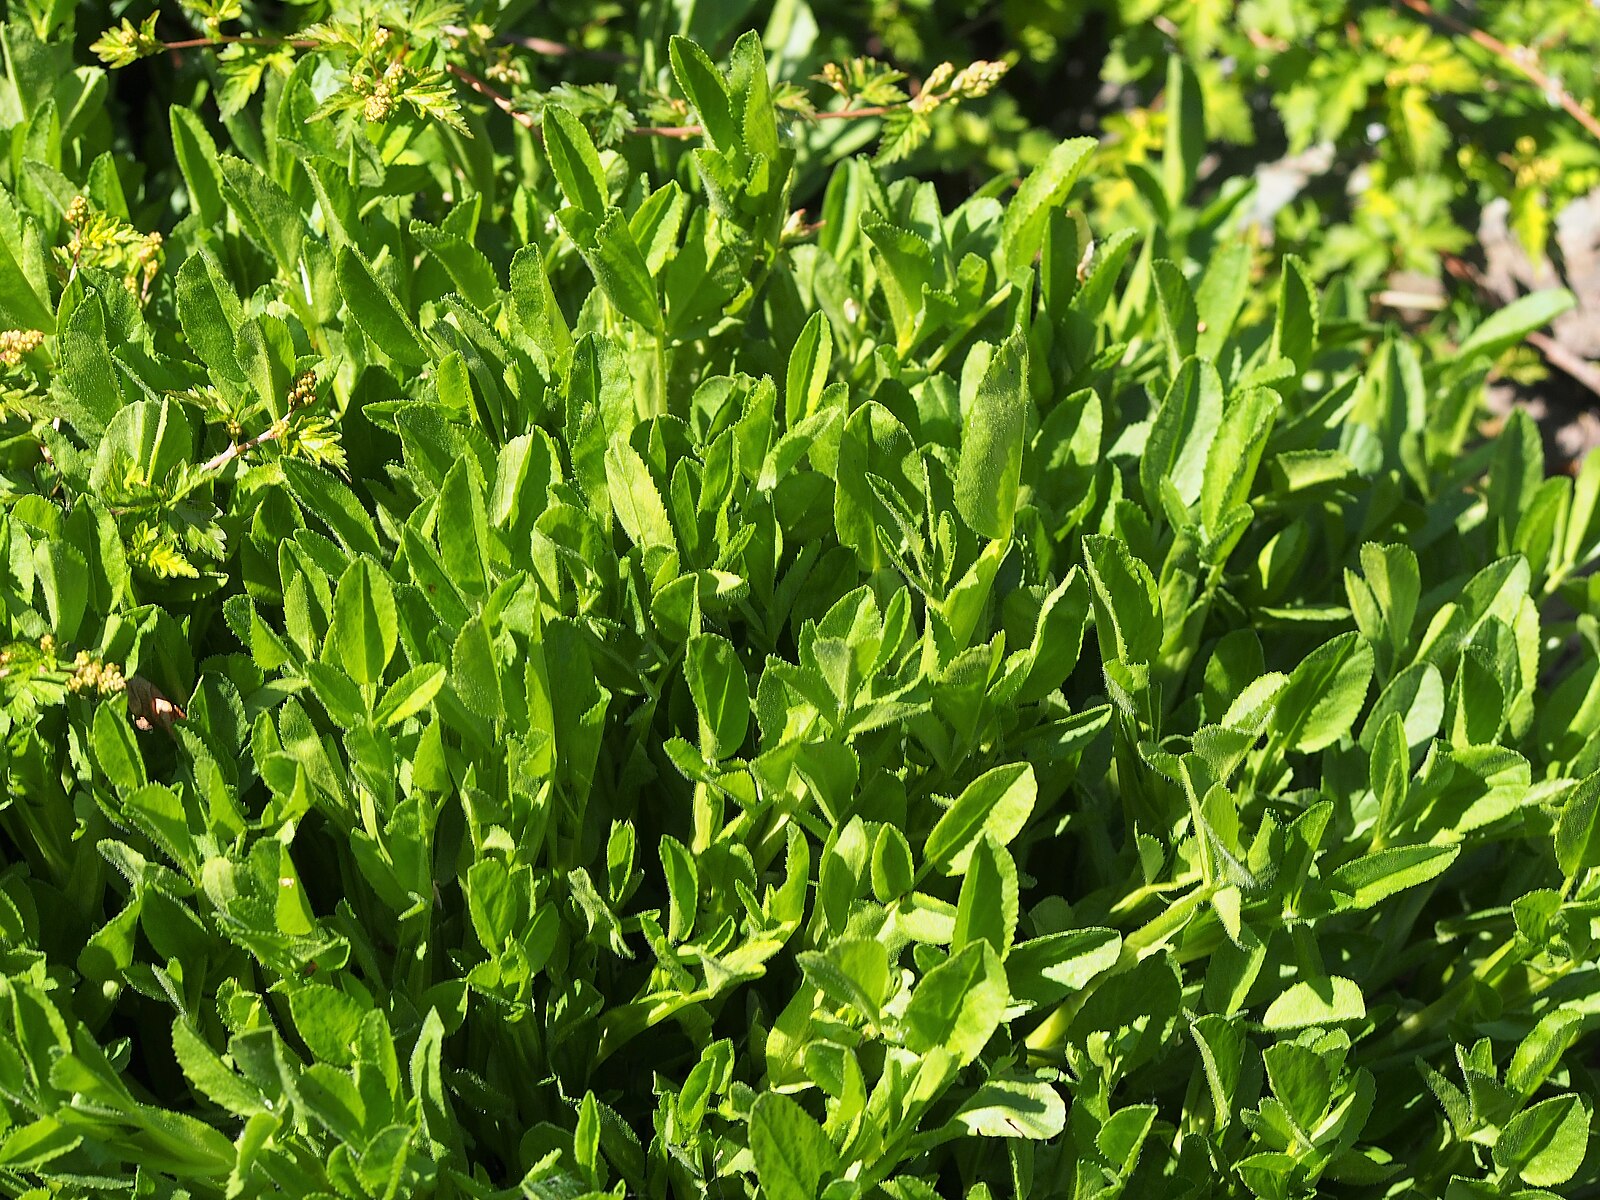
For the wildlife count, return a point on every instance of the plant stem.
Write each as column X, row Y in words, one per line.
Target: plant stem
column 276, row 430
column 1577, row 368
column 500, row 101
column 239, row 40
column 541, row 45
column 689, row 131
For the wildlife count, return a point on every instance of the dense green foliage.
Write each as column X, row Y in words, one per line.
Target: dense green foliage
column 532, row 669
column 1399, row 126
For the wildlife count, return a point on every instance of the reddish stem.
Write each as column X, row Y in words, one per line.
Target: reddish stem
column 689, row 131
column 541, row 45
column 500, row 101
column 274, row 431
column 239, row 40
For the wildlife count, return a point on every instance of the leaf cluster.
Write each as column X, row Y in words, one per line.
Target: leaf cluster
column 951, row 700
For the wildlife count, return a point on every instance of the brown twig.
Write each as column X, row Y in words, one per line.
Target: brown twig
column 240, row 40
column 689, row 131
column 1580, row 370
column 1519, row 59
column 1403, row 299
column 504, row 104
column 274, row 431
column 500, row 101
column 668, row 131
column 539, row 45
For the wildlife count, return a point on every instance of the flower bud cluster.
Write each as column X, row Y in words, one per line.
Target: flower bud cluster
column 385, row 93
column 303, row 392
column 90, row 675
column 506, row 69
column 380, row 103
column 978, row 79
column 14, row 343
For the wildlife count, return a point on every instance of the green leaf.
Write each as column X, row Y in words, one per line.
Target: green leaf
column 88, row 389
column 1179, row 320
column 991, row 443
column 1294, row 333
column 1045, row 969
column 1578, row 828
column 1014, row 1108
column 683, row 887
column 210, row 1076
column 1220, row 295
column 334, row 504
column 721, row 694
column 893, row 872
column 210, row 314
column 958, row 1005
column 1324, row 1001
column 339, row 694
column 377, row 311
column 116, row 751
column 987, row 909
column 468, row 269
column 1127, row 608
column 269, row 217
column 998, row 803
column 196, row 153
column 475, row 670
column 328, row 1021
column 1373, row 878
column 792, row 1155
column 364, row 630
column 1182, row 434
column 1324, row 695
column 809, row 361
column 1041, row 193
column 1506, row 327
column 575, row 162
column 534, row 305
column 1185, row 131
column 1545, row 1145
column 410, row 694
column 620, row 269
column 703, row 85
column 634, row 497
column 1235, row 454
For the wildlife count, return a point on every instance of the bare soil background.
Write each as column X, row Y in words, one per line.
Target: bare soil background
column 1566, row 403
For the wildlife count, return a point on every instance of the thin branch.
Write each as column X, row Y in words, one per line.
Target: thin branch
column 1403, row 299
column 240, row 40
column 1519, row 59
column 500, row 101
column 668, row 131
column 840, row 114
column 851, row 114
column 274, row 431
column 1580, row 370
column 539, row 45
column 504, row 104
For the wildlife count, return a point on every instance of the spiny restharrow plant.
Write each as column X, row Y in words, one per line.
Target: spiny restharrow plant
column 534, row 670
